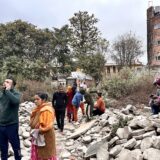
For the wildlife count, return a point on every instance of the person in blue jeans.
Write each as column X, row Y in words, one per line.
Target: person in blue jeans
column 9, row 123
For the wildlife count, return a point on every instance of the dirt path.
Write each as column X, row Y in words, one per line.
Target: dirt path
column 61, row 139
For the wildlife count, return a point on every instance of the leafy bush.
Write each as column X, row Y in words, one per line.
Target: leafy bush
column 29, row 88
column 128, row 82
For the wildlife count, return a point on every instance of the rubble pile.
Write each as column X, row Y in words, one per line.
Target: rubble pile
column 126, row 134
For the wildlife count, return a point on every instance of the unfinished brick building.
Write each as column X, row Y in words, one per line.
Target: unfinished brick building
column 153, row 36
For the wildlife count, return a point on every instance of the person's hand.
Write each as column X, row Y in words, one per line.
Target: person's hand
column 37, row 126
column 8, row 86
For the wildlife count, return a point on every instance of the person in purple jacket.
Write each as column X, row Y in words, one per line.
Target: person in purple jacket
column 154, row 102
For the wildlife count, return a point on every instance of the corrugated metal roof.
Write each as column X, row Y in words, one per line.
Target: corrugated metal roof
column 80, row 75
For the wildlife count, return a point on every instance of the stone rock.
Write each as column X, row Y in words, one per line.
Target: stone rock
column 124, row 133
column 130, row 155
column 92, row 149
column 69, row 143
column 130, row 144
column 65, row 154
column 138, row 132
column 125, row 154
column 27, row 143
column 140, row 122
column 156, row 142
column 137, row 154
column 137, row 146
column 24, row 153
column 102, row 152
column 151, row 154
column 104, row 116
column 25, row 135
column 103, row 122
column 115, row 150
column 83, row 129
column 144, row 122
column 87, row 139
column 147, row 109
column 113, row 141
column 83, row 149
column 158, row 130
column 121, row 141
column 138, row 137
column 112, row 120
column 149, row 134
column 146, row 143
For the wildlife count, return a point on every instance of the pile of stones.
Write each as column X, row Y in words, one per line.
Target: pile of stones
column 126, row 134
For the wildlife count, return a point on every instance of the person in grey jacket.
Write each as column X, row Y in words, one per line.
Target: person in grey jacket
column 9, row 123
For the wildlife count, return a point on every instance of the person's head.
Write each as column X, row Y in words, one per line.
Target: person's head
column 99, row 94
column 158, row 86
column 82, row 91
column 9, row 80
column 40, row 98
column 156, row 82
column 60, row 88
column 69, row 88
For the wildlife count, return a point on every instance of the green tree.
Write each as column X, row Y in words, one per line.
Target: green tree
column 88, row 46
column 26, row 41
column 63, row 52
column 37, row 70
column 94, row 65
column 28, row 44
column 85, row 33
column 14, row 37
column 12, row 66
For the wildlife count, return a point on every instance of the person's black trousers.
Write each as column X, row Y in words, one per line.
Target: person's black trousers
column 60, row 115
column 9, row 134
column 97, row 112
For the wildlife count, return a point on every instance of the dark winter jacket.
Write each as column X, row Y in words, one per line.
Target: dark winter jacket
column 59, row 100
column 9, row 105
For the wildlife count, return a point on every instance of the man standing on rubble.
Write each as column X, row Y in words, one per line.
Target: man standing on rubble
column 9, row 123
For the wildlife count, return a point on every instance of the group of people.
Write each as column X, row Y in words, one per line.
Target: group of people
column 71, row 100
column 42, row 118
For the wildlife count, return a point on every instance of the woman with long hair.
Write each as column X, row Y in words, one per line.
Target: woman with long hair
column 43, row 136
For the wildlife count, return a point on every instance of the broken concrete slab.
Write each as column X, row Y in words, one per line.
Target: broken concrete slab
column 82, row 129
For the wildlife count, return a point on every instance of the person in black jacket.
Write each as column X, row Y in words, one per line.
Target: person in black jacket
column 59, row 103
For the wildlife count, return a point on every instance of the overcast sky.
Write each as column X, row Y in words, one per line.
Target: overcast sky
column 116, row 17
